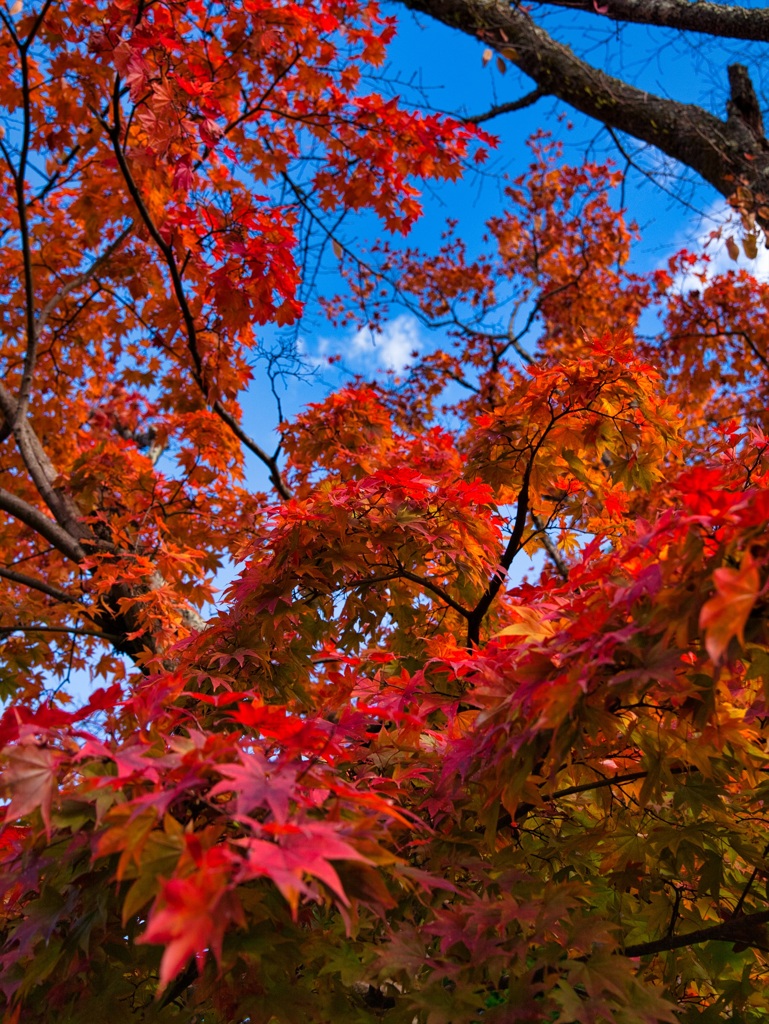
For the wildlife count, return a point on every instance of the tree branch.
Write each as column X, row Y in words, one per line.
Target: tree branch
column 269, row 461
column 111, row 638
column 34, row 584
column 727, row 22
column 40, row 523
column 114, row 132
column 187, row 316
column 523, row 809
column 20, row 183
column 556, row 557
column 508, row 108
column 475, row 618
column 435, row 589
column 82, row 278
column 26, row 247
column 725, row 153
column 42, row 471
column 747, row 929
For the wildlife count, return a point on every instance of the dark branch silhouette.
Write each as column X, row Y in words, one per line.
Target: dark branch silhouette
column 727, row 153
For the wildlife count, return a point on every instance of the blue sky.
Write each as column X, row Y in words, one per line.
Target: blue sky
column 443, row 68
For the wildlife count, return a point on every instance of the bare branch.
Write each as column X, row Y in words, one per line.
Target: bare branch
column 270, row 461
column 20, row 184
column 114, row 132
column 705, row 18
column 189, row 320
column 475, row 618
column 434, row 588
column 508, row 108
column 111, row 638
column 555, row 555
column 82, row 278
column 37, row 24
column 19, row 181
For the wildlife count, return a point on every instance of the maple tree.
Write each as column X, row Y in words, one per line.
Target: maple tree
column 382, row 781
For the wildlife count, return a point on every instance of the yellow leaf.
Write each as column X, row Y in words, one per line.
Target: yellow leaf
column 530, row 624
column 487, row 55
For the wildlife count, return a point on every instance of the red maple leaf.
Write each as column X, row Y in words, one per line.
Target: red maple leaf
column 191, row 914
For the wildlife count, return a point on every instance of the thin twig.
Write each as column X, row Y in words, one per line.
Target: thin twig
column 547, row 541
column 508, row 108
column 82, row 278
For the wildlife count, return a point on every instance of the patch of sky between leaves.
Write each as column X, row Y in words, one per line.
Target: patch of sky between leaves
column 723, row 225
column 393, row 346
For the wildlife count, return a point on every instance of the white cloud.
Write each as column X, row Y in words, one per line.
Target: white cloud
column 392, row 347
column 723, row 225
column 318, row 358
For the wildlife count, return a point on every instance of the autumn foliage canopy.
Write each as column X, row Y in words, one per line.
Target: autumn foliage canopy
column 389, row 777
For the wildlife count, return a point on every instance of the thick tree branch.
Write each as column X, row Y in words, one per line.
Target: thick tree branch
column 702, row 17
column 34, row 584
column 726, row 153
column 40, row 523
column 747, row 929
column 73, row 538
column 42, row 471
column 113, row 639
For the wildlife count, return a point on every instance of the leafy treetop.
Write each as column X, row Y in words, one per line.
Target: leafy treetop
column 382, row 782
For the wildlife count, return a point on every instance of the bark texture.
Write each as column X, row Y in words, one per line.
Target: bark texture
column 725, row 21
column 728, row 153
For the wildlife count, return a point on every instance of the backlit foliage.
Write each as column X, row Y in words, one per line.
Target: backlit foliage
column 383, row 781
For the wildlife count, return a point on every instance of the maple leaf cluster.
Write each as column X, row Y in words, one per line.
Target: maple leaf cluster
column 391, row 777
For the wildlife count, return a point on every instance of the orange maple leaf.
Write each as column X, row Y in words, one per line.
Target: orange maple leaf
column 725, row 615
